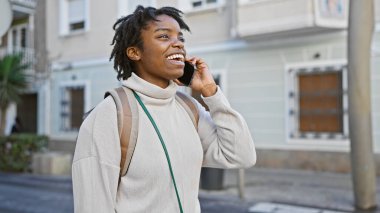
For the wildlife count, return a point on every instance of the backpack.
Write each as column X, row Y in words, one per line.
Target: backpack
column 128, row 119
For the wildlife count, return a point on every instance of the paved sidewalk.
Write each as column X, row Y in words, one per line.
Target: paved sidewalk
column 317, row 190
column 25, row 193
column 267, row 191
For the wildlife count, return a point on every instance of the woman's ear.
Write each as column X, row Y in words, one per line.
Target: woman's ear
column 133, row 53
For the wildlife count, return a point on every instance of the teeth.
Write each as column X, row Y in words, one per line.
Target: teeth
column 175, row 56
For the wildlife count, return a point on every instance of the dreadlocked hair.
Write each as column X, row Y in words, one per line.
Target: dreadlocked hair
column 128, row 33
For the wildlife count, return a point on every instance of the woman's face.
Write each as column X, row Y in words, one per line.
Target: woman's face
column 163, row 55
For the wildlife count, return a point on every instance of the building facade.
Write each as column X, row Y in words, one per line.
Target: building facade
column 26, row 35
column 281, row 63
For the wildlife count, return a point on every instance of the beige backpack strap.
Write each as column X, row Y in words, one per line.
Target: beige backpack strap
column 127, row 117
column 134, row 129
column 190, row 106
column 119, row 109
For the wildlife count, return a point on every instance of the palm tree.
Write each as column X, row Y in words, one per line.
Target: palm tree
column 12, row 81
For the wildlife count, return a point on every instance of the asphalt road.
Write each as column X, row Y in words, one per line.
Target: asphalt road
column 38, row 194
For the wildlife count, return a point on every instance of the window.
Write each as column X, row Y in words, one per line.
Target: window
column 72, row 107
column 23, row 37
column 14, row 38
column 317, row 102
column 320, row 102
column 73, row 16
column 19, row 41
column 332, row 8
column 76, row 15
column 18, row 37
column 199, row 5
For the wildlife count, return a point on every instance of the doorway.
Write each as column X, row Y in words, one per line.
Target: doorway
column 27, row 113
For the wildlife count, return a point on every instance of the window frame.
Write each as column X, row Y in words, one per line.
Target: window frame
column 64, row 125
column 293, row 136
column 64, row 23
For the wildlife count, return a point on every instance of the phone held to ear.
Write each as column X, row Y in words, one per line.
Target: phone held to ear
column 187, row 74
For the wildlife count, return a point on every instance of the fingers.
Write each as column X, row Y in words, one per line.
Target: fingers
column 201, row 64
column 192, row 60
column 198, row 62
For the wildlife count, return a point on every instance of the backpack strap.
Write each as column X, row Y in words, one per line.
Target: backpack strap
column 134, row 123
column 190, row 106
column 127, row 118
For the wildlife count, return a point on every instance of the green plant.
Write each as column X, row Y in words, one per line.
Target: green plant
column 16, row 151
column 12, row 81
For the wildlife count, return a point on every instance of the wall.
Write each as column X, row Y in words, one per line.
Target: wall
column 94, row 43
column 210, row 26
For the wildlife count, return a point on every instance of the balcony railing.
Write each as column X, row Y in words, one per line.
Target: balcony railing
column 28, row 56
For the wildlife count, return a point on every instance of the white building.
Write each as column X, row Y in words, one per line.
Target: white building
column 22, row 37
column 282, row 64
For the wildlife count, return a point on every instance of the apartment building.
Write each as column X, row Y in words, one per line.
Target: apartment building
column 22, row 36
column 281, row 63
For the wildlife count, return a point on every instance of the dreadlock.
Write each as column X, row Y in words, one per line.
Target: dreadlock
column 128, row 33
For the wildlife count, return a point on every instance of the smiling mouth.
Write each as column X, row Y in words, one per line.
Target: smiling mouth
column 176, row 58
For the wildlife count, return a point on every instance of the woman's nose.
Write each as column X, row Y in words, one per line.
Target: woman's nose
column 178, row 44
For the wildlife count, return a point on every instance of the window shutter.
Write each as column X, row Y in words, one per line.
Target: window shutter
column 76, row 11
column 320, row 102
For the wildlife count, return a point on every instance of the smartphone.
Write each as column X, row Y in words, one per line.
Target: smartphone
column 187, row 74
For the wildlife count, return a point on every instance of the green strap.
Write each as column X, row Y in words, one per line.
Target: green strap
column 163, row 146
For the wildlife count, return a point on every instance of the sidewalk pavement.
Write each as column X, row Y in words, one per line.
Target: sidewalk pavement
column 266, row 191
column 298, row 188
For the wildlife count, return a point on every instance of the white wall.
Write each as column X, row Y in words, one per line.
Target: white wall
column 94, row 43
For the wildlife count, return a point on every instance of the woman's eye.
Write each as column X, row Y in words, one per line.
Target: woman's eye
column 163, row 36
column 182, row 39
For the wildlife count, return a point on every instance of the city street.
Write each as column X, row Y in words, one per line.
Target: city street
column 267, row 191
column 290, row 84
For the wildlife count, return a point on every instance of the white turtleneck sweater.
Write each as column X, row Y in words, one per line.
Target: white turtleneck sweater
column 222, row 140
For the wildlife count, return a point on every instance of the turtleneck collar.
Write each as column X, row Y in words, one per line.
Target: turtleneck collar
column 148, row 90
